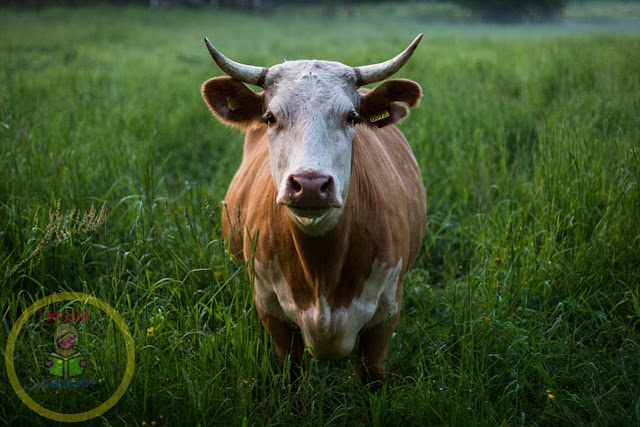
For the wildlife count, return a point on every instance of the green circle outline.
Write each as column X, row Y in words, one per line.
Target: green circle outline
column 79, row 416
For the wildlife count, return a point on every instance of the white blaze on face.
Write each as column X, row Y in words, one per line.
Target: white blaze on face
column 310, row 101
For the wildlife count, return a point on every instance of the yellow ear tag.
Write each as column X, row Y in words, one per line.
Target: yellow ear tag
column 378, row 117
column 231, row 103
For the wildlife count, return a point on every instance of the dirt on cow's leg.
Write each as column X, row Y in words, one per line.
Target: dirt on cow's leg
column 372, row 353
column 288, row 342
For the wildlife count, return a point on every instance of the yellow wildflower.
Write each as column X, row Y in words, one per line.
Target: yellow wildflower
column 150, row 331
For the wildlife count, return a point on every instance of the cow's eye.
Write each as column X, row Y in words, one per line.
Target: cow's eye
column 269, row 118
column 352, row 117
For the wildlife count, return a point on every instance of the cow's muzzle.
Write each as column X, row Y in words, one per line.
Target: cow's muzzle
column 309, row 193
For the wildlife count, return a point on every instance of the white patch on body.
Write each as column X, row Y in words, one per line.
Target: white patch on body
column 329, row 333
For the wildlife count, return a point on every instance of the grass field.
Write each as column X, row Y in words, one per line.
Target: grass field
column 522, row 309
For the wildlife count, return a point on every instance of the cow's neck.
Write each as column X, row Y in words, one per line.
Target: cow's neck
column 322, row 257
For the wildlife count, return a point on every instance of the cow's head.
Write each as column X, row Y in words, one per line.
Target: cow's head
column 310, row 109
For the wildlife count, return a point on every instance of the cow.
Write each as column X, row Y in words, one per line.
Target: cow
column 328, row 207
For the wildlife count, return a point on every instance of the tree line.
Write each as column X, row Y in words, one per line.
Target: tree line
column 488, row 10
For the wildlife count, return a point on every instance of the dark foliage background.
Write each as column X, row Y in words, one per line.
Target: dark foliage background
column 491, row 10
column 486, row 10
column 507, row 10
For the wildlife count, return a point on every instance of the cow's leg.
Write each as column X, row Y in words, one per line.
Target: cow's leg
column 287, row 340
column 372, row 353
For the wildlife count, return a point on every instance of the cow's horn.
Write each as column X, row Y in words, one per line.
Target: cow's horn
column 245, row 73
column 376, row 72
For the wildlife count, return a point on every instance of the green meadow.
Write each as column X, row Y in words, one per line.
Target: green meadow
column 523, row 307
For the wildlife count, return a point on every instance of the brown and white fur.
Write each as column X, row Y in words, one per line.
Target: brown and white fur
column 328, row 273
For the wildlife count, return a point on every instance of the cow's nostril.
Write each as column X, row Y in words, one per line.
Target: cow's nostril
column 294, row 185
column 327, row 187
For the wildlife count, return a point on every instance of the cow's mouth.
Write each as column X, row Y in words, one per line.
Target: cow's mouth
column 309, row 194
column 309, row 211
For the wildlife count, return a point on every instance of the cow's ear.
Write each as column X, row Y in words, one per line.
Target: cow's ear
column 233, row 102
column 389, row 102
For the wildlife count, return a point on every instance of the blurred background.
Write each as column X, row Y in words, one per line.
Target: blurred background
column 486, row 10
